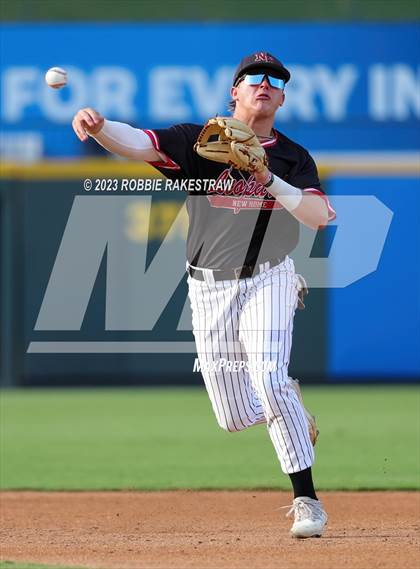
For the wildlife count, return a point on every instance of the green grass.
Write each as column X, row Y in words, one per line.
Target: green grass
column 162, row 439
column 219, row 10
column 23, row 565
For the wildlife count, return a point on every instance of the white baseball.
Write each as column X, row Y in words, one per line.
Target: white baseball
column 56, row 77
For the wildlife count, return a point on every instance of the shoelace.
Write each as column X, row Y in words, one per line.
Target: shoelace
column 303, row 511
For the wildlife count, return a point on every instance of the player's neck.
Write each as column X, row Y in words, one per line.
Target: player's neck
column 262, row 126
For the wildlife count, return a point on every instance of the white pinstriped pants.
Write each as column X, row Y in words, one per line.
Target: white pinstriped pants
column 252, row 320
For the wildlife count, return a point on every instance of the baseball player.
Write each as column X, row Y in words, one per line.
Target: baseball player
column 242, row 284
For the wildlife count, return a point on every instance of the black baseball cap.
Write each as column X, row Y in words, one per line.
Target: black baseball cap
column 260, row 62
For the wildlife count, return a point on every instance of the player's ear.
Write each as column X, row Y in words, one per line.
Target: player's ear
column 283, row 98
column 234, row 93
column 281, row 101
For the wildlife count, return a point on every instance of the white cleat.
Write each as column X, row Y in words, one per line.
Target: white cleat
column 310, row 517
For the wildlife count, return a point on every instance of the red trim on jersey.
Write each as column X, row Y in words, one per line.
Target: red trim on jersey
column 153, row 137
column 331, row 213
column 272, row 141
column 168, row 163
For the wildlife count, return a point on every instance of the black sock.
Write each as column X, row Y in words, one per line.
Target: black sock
column 303, row 484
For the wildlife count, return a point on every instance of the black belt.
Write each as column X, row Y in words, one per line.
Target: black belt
column 244, row 272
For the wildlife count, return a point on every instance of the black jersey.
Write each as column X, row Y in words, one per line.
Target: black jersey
column 235, row 221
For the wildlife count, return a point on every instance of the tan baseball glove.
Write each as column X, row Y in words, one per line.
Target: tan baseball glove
column 312, row 426
column 228, row 140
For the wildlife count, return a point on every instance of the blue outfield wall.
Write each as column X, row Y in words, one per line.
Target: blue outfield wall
column 374, row 324
column 353, row 87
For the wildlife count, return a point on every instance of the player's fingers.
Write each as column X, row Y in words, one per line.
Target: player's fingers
column 94, row 115
column 75, row 127
column 79, row 130
column 85, row 116
column 93, row 119
column 87, row 121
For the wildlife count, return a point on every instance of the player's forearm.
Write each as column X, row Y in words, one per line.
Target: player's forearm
column 124, row 140
column 311, row 210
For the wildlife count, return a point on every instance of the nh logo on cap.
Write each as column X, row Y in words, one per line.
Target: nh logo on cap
column 261, row 56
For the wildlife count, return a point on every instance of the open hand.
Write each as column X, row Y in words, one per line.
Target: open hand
column 87, row 121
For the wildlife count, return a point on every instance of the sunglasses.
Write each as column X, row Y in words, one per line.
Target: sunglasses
column 274, row 82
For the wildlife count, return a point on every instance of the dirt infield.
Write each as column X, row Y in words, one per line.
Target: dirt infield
column 197, row 530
